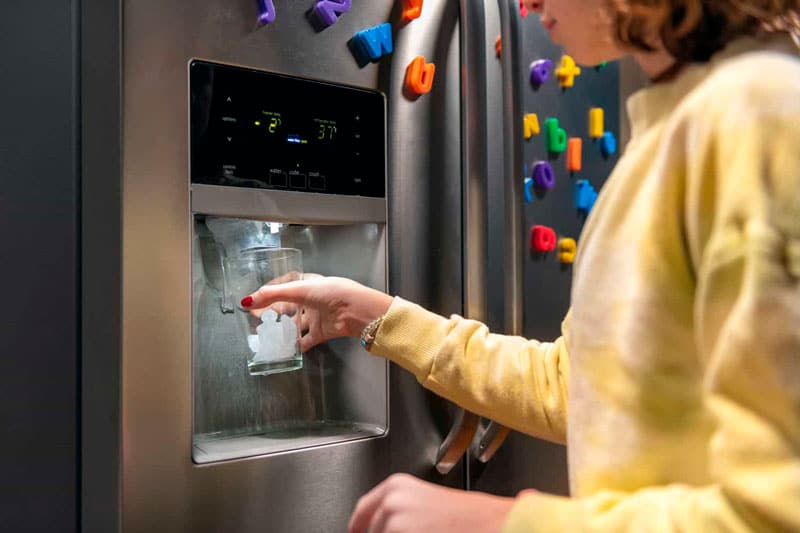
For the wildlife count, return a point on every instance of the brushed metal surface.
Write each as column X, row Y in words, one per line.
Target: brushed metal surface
column 474, row 153
column 492, row 436
column 425, row 218
column 281, row 206
column 513, row 235
column 313, row 490
column 475, row 168
column 425, row 213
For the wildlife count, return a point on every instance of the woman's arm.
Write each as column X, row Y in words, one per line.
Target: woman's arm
column 519, row 383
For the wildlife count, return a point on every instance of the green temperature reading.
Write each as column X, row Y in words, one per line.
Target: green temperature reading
column 326, row 129
column 272, row 121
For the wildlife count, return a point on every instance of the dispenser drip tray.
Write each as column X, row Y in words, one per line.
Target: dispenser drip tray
column 213, row 447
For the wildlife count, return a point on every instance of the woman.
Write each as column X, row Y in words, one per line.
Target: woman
column 681, row 410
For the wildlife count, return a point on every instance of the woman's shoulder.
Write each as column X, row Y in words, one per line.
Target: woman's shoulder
column 754, row 76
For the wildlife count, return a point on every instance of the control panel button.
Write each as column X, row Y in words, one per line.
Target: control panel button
column 228, row 170
column 297, row 180
column 316, row 181
column 277, row 178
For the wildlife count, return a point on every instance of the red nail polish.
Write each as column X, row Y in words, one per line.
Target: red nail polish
column 247, row 301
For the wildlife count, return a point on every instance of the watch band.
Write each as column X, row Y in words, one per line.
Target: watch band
column 368, row 334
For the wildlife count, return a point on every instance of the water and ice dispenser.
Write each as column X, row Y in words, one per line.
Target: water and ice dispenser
column 281, row 167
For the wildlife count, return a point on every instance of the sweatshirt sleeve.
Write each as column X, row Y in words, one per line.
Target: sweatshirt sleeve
column 743, row 232
column 519, row 383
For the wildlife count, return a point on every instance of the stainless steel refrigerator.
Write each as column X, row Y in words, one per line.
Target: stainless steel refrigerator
column 449, row 230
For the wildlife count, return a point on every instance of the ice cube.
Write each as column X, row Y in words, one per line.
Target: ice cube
column 266, row 351
column 269, row 316
column 289, row 336
column 288, row 329
column 269, row 336
column 253, row 343
column 276, row 338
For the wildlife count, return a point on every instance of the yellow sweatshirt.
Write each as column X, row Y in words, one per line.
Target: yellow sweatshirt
column 676, row 382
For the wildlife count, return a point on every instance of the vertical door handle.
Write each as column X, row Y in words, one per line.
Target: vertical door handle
column 457, row 441
column 474, row 171
column 512, row 173
column 491, row 438
column 494, row 434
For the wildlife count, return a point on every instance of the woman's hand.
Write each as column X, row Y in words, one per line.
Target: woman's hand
column 404, row 504
column 332, row 307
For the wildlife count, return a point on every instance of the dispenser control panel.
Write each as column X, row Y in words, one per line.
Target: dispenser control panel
column 252, row 128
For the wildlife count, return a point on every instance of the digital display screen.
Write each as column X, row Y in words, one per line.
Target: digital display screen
column 252, row 128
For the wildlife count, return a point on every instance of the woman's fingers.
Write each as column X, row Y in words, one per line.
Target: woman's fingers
column 285, row 278
column 280, row 308
column 366, row 508
column 294, row 292
column 310, row 339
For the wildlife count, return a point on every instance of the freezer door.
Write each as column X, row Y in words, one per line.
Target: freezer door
column 442, row 175
column 161, row 488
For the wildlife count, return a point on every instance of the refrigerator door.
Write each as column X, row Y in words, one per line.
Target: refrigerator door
column 529, row 290
column 314, row 489
column 474, row 212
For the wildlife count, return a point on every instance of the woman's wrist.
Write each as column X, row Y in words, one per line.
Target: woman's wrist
column 369, row 332
column 374, row 305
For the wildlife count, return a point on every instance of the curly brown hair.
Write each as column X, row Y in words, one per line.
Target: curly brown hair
column 692, row 30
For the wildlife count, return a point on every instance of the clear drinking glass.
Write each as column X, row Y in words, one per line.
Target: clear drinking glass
column 273, row 334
